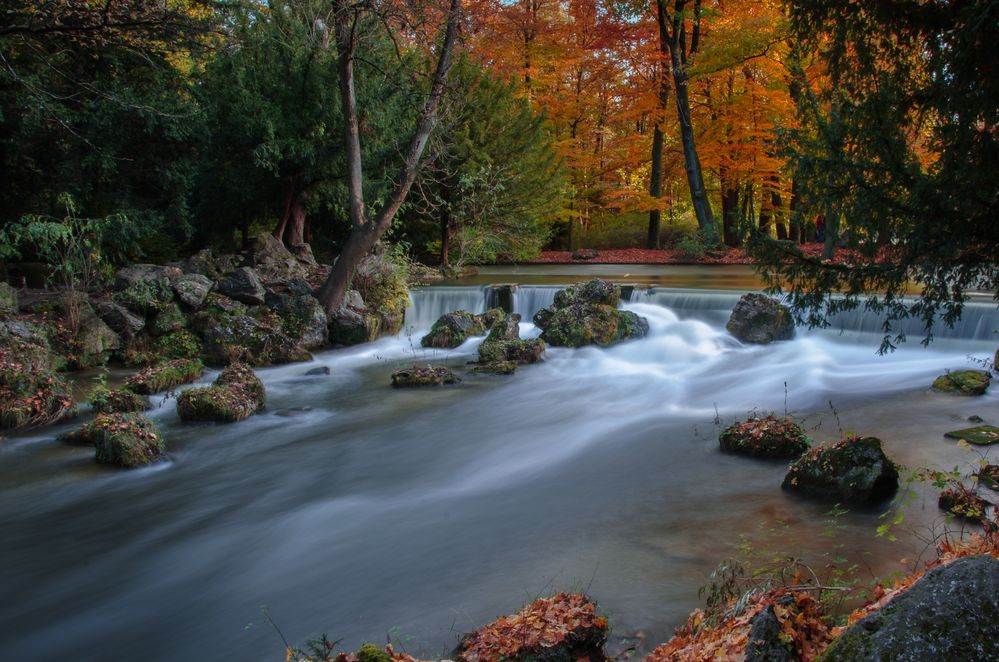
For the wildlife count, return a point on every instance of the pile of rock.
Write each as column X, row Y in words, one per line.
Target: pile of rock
column 587, row 314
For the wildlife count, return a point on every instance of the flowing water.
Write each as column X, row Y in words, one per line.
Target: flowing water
column 365, row 512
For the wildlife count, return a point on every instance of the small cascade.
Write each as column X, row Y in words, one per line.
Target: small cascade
column 712, row 307
column 426, row 304
column 529, row 299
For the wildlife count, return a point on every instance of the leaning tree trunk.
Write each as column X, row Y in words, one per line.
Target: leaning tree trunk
column 366, row 231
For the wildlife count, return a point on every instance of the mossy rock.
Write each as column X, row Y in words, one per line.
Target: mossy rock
column 516, row 351
column 169, row 319
column 983, row 435
column 963, row 503
column 497, row 367
column 146, row 295
column 760, row 320
column 854, row 470
column 586, row 314
column 164, row 376
column 768, row 436
column 255, row 339
column 452, row 329
column 951, row 613
column 105, row 401
column 963, row 382
column 30, row 392
column 236, row 394
column 179, row 344
column 120, row 439
column 424, row 376
column 372, row 653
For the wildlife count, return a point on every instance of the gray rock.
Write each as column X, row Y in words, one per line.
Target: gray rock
column 952, row 613
column 764, row 639
column 349, row 327
column 192, row 289
column 96, row 341
column 273, row 261
column 303, row 253
column 353, row 299
column 207, row 263
column 760, row 320
column 452, row 329
column 120, row 319
column 8, row 300
column 242, row 338
column 316, row 372
column 140, row 273
column 243, row 285
column 855, row 469
column 505, row 328
column 303, row 318
column 145, row 288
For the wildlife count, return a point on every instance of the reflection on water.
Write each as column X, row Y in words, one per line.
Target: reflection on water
column 362, row 511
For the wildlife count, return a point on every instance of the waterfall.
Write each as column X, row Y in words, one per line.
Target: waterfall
column 426, row 304
column 529, row 299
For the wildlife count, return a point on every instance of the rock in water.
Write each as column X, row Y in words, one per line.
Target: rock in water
column 983, row 435
column 768, row 436
column 120, row 439
column 428, row 376
column 586, row 314
column 760, row 320
column 237, row 394
column 963, row 382
column 452, row 329
column 949, row 614
column 855, row 469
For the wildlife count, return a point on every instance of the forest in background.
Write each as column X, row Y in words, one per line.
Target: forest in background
column 606, row 123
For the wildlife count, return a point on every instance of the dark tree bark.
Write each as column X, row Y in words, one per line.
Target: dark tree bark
column 294, row 234
column 655, row 189
column 673, row 33
column 366, row 231
column 730, row 210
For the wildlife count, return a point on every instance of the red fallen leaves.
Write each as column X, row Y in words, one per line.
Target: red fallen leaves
column 800, row 621
column 562, row 620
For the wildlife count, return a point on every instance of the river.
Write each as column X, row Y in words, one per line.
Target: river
column 369, row 513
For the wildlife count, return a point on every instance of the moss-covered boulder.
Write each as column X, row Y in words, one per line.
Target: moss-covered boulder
column 179, row 344
column 164, row 376
column 106, row 401
column 144, row 288
column 256, row 338
column 963, row 382
column 237, row 394
column 517, row 351
column 424, row 376
column 169, row 319
column 949, row 614
column 563, row 628
column 452, row 329
column 120, row 439
column 767, row 436
column 963, row 503
column 758, row 319
column 381, row 280
column 586, row 314
column 854, row 470
column 30, row 392
column 94, row 342
column 303, row 320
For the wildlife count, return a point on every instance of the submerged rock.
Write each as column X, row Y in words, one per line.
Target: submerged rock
column 317, row 372
column 237, row 394
column 586, row 314
column 949, row 614
column 428, row 376
column 563, row 628
column 765, row 437
column 983, row 435
column 760, row 320
column 855, row 469
column 963, row 382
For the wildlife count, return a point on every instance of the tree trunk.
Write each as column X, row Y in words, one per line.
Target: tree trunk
column 365, row 232
column 656, row 189
column 294, row 234
column 832, row 233
column 289, row 195
column 730, row 211
column 445, row 227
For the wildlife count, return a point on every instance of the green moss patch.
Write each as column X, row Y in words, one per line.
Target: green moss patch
column 164, row 376
column 963, row 382
column 983, row 435
column 123, row 440
column 237, row 394
column 105, row 401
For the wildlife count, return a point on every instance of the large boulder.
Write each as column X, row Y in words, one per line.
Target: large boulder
column 207, row 263
column 949, row 614
column 766, row 436
column 586, row 314
column 256, row 339
column 94, row 342
column 273, row 261
column 143, row 273
column 452, row 329
column 963, row 382
column 191, row 289
column 503, row 347
column 244, row 285
column 121, row 320
column 563, row 628
column 855, row 470
column 122, row 440
column 145, row 288
column 8, row 300
column 303, row 319
column 237, row 394
column 760, row 320
column 424, row 376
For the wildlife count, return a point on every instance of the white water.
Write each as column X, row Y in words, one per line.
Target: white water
column 359, row 510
